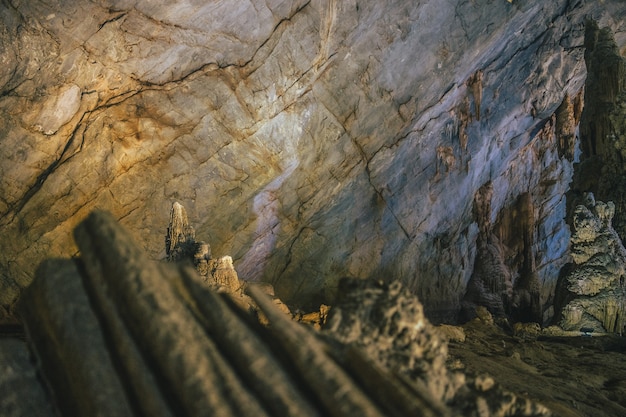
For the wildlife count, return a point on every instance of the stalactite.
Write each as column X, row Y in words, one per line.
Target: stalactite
column 565, row 128
column 490, row 283
column 475, row 85
column 527, row 290
column 602, row 126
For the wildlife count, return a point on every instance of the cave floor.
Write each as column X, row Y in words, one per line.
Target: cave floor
column 573, row 376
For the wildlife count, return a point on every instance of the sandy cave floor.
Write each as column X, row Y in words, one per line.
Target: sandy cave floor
column 573, row 376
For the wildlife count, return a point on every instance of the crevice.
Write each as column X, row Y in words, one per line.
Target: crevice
column 79, row 129
column 111, row 20
column 210, row 66
column 289, row 254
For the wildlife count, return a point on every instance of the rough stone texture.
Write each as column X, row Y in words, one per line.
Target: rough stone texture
column 180, row 240
column 309, row 139
column 156, row 341
column 603, row 126
column 591, row 293
column 387, row 323
column 22, row 395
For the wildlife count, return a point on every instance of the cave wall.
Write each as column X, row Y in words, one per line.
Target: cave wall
column 308, row 139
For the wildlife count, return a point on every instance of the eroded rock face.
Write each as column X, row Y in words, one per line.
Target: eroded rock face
column 592, row 295
column 309, row 139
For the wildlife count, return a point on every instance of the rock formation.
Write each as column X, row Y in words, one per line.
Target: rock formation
column 181, row 245
column 491, row 283
column 603, row 127
column 22, row 394
column 387, row 323
column 180, row 240
column 592, row 293
column 504, row 278
column 117, row 334
column 309, row 139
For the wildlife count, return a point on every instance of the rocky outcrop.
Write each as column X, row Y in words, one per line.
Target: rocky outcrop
column 491, row 283
column 603, row 127
column 153, row 339
column 180, row 240
column 505, row 278
column 592, row 292
column 310, row 140
column 387, row 323
column 181, row 245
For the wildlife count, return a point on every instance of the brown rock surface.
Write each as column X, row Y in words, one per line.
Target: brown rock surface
column 302, row 136
column 572, row 376
column 387, row 323
column 309, row 139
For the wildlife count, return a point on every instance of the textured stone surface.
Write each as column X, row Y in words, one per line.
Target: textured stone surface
column 603, row 126
column 591, row 292
column 387, row 323
column 22, row 395
column 155, row 340
column 309, row 139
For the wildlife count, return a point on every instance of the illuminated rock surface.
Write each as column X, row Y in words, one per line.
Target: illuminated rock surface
column 592, row 293
column 310, row 140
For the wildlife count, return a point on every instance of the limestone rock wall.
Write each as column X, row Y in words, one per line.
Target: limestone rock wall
column 309, row 139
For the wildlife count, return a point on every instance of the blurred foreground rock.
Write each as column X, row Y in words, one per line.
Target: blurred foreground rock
column 21, row 394
column 117, row 335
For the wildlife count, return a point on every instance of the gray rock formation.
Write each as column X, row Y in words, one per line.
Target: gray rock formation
column 309, row 139
column 593, row 293
column 603, row 126
column 22, row 394
column 181, row 245
column 117, row 334
column 387, row 323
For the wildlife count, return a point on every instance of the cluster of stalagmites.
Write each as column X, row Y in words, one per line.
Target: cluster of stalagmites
column 115, row 334
column 591, row 293
column 219, row 273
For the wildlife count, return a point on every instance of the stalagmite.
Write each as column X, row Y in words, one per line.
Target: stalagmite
column 180, row 239
column 592, row 294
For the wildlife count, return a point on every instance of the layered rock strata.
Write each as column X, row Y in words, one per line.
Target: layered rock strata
column 116, row 334
column 310, row 140
column 591, row 293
